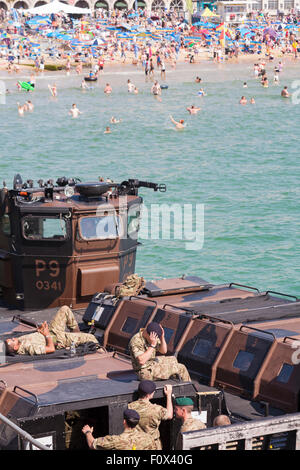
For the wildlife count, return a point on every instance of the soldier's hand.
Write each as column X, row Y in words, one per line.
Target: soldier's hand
column 87, row 428
column 168, row 389
column 43, row 329
column 153, row 338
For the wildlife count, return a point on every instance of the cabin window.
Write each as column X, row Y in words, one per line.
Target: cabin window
column 133, row 221
column 285, row 373
column 202, row 347
column 168, row 334
column 44, row 228
column 130, row 325
column 243, row 360
column 100, row 228
column 5, row 224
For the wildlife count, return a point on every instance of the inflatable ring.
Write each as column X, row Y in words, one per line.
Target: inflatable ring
column 164, row 87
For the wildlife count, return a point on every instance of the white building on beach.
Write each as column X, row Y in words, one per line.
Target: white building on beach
column 226, row 7
column 106, row 4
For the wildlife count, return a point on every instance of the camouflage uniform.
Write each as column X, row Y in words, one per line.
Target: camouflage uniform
column 35, row 343
column 150, row 417
column 132, row 285
column 156, row 368
column 190, row 424
column 130, row 439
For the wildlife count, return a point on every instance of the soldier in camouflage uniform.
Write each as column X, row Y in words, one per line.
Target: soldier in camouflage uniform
column 143, row 346
column 152, row 414
column 183, row 410
column 46, row 339
column 130, row 439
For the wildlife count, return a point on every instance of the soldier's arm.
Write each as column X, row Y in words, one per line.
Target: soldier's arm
column 44, row 330
column 163, row 348
column 145, row 356
column 168, row 393
column 88, row 432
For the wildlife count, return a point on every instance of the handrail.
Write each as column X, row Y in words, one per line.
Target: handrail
column 215, row 319
column 242, row 285
column 26, row 391
column 285, row 295
column 260, row 331
column 290, row 337
column 23, row 433
column 175, row 307
column 143, row 298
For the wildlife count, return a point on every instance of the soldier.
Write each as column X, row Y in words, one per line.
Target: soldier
column 48, row 338
column 143, row 346
column 130, row 439
column 221, row 420
column 183, row 410
column 152, row 414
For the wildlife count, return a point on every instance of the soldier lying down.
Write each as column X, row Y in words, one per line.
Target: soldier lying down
column 48, row 338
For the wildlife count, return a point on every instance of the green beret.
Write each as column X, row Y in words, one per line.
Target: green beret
column 184, row 401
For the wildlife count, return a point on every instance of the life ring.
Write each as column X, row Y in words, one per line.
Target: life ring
column 90, row 79
column 164, row 87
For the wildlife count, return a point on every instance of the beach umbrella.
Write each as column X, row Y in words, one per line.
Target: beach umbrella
column 271, row 32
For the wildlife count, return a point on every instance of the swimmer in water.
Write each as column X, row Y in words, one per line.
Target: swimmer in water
column 74, row 111
column 29, row 105
column 178, row 125
column 107, row 130
column 20, row 109
column 108, row 89
column 113, row 120
column 156, row 90
column 285, row 93
column 243, row 100
column 252, row 101
column 84, row 85
column 245, row 85
column 198, row 80
column 193, row 110
column 201, row 92
column 53, row 90
column 130, row 86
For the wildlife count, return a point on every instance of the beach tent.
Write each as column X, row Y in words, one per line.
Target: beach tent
column 207, row 13
column 57, row 7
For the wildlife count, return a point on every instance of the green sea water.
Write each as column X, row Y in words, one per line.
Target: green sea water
column 240, row 162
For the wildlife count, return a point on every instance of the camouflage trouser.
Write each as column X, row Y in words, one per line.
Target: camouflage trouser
column 163, row 369
column 65, row 318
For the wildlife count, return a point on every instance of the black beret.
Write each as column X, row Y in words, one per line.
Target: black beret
column 146, row 386
column 131, row 414
column 153, row 326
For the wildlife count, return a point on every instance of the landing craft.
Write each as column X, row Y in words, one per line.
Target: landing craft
column 73, row 243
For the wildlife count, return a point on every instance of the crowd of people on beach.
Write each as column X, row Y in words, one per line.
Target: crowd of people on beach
column 139, row 38
column 153, row 41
